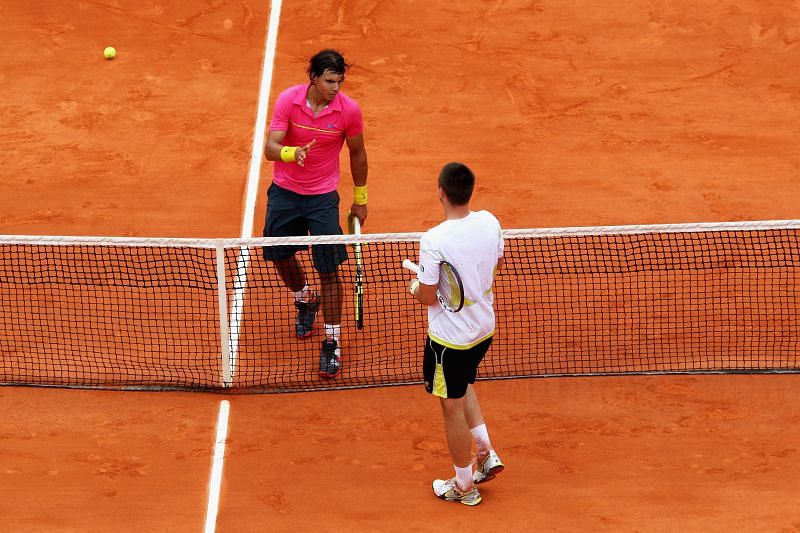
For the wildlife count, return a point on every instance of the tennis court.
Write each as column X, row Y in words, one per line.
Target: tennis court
column 572, row 114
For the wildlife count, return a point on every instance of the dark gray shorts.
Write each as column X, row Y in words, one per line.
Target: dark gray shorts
column 290, row 214
column 458, row 367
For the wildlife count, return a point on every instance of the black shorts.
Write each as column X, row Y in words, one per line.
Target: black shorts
column 290, row 214
column 448, row 371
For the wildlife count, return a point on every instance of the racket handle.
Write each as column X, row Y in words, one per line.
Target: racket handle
column 410, row 266
column 353, row 224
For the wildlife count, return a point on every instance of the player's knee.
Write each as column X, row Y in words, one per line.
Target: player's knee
column 452, row 406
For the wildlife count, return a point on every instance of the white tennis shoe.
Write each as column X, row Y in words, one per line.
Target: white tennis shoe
column 448, row 490
column 488, row 469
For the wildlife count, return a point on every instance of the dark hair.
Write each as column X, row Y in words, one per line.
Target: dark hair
column 326, row 60
column 457, row 181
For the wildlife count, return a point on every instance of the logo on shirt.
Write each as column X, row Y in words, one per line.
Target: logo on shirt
column 422, row 268
column 331, row 126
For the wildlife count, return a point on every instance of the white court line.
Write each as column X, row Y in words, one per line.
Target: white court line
column 256, row 156
column 215, row 484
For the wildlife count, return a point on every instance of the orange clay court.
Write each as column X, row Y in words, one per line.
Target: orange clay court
column 570, row 113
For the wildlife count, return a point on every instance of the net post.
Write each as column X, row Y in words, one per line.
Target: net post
column 224, row 326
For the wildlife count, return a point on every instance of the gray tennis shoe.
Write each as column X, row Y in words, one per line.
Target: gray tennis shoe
column 306, row 314
column 330, row 359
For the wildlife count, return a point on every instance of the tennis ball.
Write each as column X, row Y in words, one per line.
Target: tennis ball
column 109, row 52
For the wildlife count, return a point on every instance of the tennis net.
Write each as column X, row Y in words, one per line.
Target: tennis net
column 213, row 314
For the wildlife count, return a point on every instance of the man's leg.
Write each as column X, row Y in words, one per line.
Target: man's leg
column 489, row 464
column 446, row 375
column 472, row 408
column 323, row 219
column 285, row 218
column 293, row 276
column 330, row 355
column 459, row 439
column 476, row 423
column 292, row 273
column 331, row 299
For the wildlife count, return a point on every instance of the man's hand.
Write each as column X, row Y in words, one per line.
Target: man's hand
column 302, row 152
column 359, row 211
column 413, row 287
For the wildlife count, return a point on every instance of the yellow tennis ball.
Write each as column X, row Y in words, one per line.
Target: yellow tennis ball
column 109, row 52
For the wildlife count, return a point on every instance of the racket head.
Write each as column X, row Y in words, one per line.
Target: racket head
column 450, row 290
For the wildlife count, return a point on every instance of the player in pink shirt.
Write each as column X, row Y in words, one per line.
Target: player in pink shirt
column 310, row 124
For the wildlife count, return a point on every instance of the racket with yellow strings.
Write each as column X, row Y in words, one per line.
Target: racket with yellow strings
column 450, row 290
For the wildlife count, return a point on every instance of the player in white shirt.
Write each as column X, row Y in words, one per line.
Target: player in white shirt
column 457, row 342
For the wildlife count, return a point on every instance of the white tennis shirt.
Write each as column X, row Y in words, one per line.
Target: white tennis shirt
column 473, row 245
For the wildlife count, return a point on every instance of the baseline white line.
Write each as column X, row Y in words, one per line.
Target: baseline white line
column 215, row 484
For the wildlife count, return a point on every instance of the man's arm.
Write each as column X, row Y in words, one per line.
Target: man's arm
column 358, row 159
column 272, row 150
column 359, row 169
column 425, row 294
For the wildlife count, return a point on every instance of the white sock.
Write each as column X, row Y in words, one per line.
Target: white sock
column 463, row 477
column 298, row 296
column 481, row 436
column 332, row 331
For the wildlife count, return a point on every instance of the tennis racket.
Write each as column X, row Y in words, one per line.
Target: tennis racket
column 450, row 290
column 355, row 226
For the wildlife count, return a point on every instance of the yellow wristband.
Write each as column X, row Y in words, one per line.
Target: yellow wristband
column 360, row 195
column 287, row 154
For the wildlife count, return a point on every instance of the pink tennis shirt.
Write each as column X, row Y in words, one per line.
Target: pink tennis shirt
column 339, row 120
